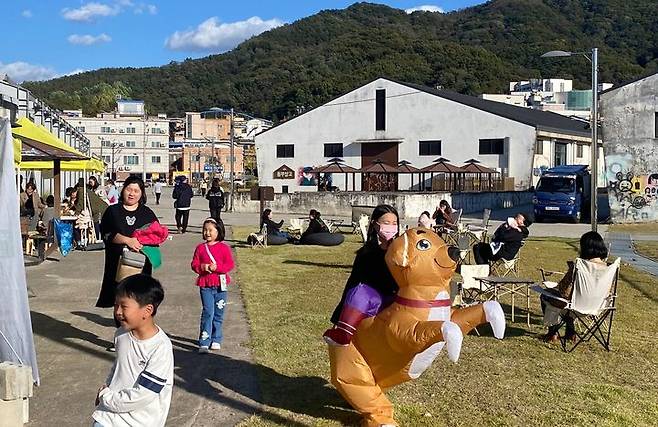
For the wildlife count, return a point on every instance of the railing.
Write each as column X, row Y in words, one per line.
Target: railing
column 473, row 184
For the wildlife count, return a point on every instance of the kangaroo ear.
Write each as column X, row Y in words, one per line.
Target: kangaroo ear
column 398, row 252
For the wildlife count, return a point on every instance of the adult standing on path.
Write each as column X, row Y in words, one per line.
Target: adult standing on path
column 117, row 226
column 183, row 200
column 215, row 200
column 157, row 190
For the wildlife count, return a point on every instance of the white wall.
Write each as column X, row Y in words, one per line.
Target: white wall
column 411, row 116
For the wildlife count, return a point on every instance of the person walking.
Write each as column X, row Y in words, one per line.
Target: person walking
column 182, row 195
column 204, row 187
column 212, row 261
column 215, row 199
column 118, row 224
column 157, row 190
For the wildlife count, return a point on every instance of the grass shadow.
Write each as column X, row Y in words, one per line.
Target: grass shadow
column 315, row 264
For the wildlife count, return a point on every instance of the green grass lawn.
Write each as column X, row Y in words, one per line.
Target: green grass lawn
column 290, row 291
column 648, row 249
column 644, row 228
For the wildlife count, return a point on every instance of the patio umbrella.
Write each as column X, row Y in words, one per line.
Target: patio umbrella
column 335, row 166
column 379, row 167
column 404, row 166
column 475, row 167
column 442, row 165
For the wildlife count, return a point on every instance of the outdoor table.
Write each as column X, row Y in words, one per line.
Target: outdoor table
column 334, row 224
column 499, row 286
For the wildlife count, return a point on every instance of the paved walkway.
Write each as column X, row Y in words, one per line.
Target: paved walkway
column 71, row 336
column 621, row 245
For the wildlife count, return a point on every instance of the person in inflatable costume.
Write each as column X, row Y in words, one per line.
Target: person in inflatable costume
column 402, row 340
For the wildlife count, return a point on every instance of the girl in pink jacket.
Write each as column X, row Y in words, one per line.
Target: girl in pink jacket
column 212, row 261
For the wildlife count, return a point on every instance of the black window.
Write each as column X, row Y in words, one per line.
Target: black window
column 655, row 125
column 429, row 148
column 284, row 189
column 539, row 147
column 579, row 151
column 492, row 146
column 380, row 109
column 285, row 150
column 333, row 150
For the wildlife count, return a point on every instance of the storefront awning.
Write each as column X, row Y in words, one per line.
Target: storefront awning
column 92, row 165
column 39, row 144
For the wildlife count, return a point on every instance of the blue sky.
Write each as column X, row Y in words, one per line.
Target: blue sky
column 49, row 38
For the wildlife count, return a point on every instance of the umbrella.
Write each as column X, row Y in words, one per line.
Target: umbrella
column 378, row 166
column 404, row 166
column 335, row 166
column 442, row 165
column 475, row 166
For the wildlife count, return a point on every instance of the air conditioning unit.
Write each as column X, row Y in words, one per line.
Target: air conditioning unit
column 121, row 131
column 127, row 168
column 113, row 130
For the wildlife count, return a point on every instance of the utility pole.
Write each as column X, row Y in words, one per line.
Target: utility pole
column 144, row 148
column 232, row 163
column 595, row 141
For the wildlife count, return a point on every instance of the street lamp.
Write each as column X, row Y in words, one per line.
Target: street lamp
column 593, row 58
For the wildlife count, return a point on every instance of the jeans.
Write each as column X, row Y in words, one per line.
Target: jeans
column 182, row 217
column 157, row 198
column 216, row 213
column 212, row 315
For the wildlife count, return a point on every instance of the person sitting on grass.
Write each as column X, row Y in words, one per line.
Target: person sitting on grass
column 138, row 390
column 315, row 225
column 592, row 249
column 506, row 241
column 273, row 228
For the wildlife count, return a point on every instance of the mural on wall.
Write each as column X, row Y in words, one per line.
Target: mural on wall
column 632, row 193
column 305, row 178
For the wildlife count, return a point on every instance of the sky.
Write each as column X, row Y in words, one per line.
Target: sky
column 44, row 39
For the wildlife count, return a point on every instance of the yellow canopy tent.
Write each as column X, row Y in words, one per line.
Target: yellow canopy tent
column 92, row 165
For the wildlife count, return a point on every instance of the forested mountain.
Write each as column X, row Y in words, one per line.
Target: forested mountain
column 301, row 65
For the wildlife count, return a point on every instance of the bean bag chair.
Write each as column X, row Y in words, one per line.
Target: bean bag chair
column 323, row 239
column 275, row 240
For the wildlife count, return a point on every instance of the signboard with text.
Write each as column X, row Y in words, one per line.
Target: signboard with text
column 284, row 172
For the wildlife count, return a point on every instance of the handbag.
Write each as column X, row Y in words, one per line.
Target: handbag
column 130, row 263
column 222, row 277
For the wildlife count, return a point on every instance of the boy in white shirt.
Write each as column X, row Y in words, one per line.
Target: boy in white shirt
column 138, row 390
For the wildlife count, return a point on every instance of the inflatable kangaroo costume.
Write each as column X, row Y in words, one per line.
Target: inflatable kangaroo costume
column 403, row 340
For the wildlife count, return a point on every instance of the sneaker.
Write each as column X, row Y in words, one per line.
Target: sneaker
column 111, row 349
column 215, row 346
column 203, row 350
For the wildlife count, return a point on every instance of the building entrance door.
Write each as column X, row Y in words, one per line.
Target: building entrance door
column 387, row 152
column 560, row 154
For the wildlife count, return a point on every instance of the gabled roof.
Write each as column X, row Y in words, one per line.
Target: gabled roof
column 626, row 83
column 541, row 120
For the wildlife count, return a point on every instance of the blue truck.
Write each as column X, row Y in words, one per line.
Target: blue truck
column 563, row 193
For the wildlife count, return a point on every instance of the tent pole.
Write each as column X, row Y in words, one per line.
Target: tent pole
column 57, row 186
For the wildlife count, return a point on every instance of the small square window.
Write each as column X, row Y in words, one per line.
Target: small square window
column 285, row 151
column 539, row 147
column 333, row 150
column 492, row 146
column 579, row 151
column 429, row 148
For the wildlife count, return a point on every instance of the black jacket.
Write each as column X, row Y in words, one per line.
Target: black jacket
column 183, row 195
column 511, row 238
column 215, row 199
column 370, row 269
column 272, row 227
column 315, row 226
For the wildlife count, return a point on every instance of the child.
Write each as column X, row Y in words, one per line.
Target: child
column 370, row 287
column 212, row 261
column 138, row 390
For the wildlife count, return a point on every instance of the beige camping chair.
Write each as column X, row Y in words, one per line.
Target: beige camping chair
column 592, row 303
column 364, row 220
column 296, row 226
column 479, row 232
column 470, row 290
column 258, row 240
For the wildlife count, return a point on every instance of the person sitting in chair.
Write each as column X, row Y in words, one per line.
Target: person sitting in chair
column 592, row 249
column 506, row 241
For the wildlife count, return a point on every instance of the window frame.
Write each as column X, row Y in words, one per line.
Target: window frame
column 282, row 154
column 380, row 109
column 335, row 146
column 491, row 148
column 579, row 151
column 429, row 143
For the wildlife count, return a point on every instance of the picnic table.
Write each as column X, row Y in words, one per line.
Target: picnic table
column 497, row 286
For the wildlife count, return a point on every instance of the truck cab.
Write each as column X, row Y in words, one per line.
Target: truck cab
column 563, row 193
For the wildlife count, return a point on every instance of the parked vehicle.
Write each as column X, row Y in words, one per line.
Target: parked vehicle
column 563, row 193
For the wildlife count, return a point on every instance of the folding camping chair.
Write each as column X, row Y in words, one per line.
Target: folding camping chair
column 258, row 239
column 469, row 289
column 296, row 226
column 479, row 232
column 503, row 267
column 364, row 220
column 464, row 246
column 592, row 303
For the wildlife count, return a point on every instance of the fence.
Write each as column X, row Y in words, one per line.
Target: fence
column 473, row 184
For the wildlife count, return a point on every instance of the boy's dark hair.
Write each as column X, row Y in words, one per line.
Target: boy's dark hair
column 527, row 221
column 219, row 225
column 142, row 288
column 50, row 201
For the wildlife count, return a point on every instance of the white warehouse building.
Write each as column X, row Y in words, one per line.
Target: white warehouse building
column 394, row 121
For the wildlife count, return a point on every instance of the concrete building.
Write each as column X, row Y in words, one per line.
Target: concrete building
column 204, row 160
column 128, row 141
column 211, row 124
column 629, row 115
column 396, row 121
